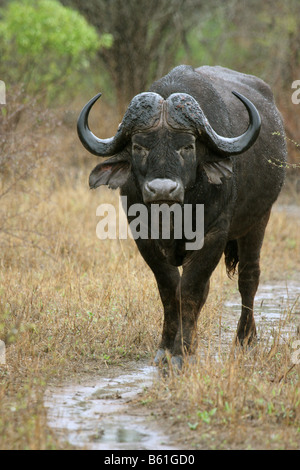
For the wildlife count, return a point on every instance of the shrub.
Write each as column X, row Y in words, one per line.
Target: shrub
column 43, row 44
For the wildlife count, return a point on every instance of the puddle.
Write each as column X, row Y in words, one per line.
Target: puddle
column 276, row 305
column 96, row 416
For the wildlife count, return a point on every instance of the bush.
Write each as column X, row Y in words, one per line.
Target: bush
column 43, row 44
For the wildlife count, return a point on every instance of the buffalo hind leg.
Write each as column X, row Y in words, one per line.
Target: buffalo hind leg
column 249, row 248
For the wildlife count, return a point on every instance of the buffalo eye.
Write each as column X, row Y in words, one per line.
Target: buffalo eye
column 138, row 149
column 187, row 148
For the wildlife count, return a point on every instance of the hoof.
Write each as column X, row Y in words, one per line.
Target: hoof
column 160, row 357
column 176, row 363
column 246, row 336
column 247, row 342
column 247, row 347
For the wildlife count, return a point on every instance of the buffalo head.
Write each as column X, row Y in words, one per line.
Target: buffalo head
column 163, row 142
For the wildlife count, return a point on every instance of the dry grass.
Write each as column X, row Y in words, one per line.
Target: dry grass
column 230, row 399
column 234, row 402
column 70, row 302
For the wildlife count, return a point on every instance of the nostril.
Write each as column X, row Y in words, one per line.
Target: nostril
column 150, row 187
column 174, row 188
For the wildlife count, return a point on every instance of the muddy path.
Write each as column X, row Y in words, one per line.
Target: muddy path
column 100, row 412
column 97, row 413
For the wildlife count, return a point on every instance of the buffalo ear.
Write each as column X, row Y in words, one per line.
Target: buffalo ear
column 114, row 172
column 217, row 170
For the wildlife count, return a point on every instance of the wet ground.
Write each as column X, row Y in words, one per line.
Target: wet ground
column 95, row 414
column 276, row 305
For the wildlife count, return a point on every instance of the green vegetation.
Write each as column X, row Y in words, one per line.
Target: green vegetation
column 44, row 44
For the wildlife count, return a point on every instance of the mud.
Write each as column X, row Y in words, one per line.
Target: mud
column 276, row 304
column 95, row 414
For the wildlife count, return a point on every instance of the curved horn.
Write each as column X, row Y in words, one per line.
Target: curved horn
column 227, row 146
column 100, row 147
column 184, row 110
column 143, row 112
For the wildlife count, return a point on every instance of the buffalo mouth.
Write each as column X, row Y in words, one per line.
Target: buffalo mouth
column 167, row 202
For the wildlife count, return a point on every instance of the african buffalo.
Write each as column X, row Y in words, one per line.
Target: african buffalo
column 208, row 136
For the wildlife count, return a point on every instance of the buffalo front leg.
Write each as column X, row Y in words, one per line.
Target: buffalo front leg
column 167, row 281
column 193, row 290
column 167, row 278
column 249, row 248
column 189, row 310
